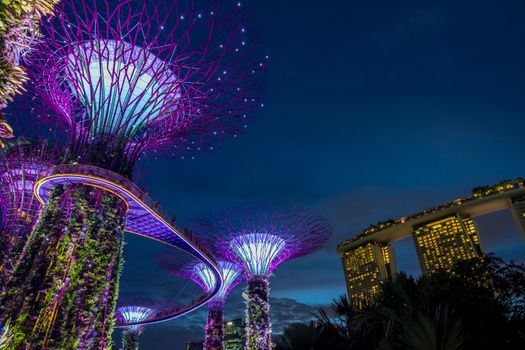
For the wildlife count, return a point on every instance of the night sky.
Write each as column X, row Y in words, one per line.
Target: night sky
column 374, row 110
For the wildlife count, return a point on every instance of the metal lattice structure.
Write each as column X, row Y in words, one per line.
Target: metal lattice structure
column 22, row 163
column 201, row 274
column 231, row 274
column 125, row 78
column 140, row 77
column 259, row 238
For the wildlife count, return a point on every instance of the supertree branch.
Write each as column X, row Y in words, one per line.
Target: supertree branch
column 183, row 266
column 133, row 314
column 259, row 238
column 141, row 77
column 200, row 274
column 23, row 162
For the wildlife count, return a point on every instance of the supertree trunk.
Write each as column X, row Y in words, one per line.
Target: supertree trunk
column 62, row 294
column 130, row 338
column 10, row 248
column 214, row 327
column 257, row 314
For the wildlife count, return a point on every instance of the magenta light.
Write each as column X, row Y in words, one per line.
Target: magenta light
column 259, row 238
column 22, row 163
column 143, row 76
column 185, row 267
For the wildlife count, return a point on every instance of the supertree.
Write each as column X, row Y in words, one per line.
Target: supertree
column 126, row 78
column 131, row 334
column 23, row 161
column 259, row 238
column 201, row 274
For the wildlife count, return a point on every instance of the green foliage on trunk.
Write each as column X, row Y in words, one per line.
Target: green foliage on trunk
column 130, row 339
column 63, row 292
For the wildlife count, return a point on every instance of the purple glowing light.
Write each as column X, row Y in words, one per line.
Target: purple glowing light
column 201, row 274
column 22, row 163
column 142, row 218
column 147, row 75
column 259, row 238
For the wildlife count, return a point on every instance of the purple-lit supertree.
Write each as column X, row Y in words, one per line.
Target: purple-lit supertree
column 131, row 334
column 138, row 78
column 259, row 239
column 201, row 274
column 126, row 78
column 23, row 161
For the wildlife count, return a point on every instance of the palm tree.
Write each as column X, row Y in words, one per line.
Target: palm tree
column 300, row 336
column 349, row 328
column 441, row 330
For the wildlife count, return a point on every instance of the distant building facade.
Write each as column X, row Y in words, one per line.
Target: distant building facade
column 442, row 243
column 443, row 235
column 366, row 267
column 234, row 334
column 194, row 345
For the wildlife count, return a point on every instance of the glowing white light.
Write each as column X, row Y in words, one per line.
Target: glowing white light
column 257, row 251
column 135, row 314
column 206, row 276
column 122, row 86
column 230, row 272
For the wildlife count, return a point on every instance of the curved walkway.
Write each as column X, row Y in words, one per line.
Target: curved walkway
column 144, row 217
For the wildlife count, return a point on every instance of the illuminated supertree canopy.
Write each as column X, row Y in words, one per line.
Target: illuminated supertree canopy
column 125, row 78
column 131, row 334
column 199, row 273
column 259, row 238
column 23, row 162
column 141, row 77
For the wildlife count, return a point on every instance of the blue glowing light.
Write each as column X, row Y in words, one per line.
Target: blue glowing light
column 257, row 251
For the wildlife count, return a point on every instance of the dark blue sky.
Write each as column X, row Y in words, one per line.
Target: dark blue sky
column 374, row 109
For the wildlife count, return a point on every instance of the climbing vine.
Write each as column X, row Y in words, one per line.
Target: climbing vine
column 63, row 292
column 214, row 326
column 257, row 314
column 130, row 338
